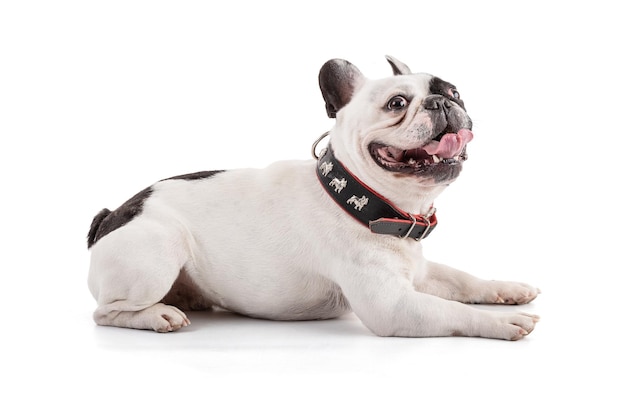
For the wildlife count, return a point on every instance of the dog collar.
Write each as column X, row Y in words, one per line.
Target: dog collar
column 366, row 205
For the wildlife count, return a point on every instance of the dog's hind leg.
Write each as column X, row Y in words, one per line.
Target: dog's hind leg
column 159, row 317
column 132, row 270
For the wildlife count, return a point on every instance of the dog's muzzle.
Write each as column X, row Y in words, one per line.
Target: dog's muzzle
column 441, row 156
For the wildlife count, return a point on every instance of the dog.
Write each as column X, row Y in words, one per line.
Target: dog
column 311, row 239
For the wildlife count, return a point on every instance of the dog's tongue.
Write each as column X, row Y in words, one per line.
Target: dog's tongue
column 450, row 145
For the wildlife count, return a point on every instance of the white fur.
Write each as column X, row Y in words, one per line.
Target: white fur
column 271, row 243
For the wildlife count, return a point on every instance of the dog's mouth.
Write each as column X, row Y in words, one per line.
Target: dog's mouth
column 447, row 149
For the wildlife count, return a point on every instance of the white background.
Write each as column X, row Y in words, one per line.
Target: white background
column 100, row 99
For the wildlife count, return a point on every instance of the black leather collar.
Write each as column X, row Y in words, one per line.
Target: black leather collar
column 367, row 206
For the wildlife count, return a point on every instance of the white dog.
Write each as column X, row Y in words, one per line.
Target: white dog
column 311, row 239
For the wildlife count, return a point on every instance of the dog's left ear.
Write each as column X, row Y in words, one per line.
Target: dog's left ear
column 338, row 79
column 399, row 67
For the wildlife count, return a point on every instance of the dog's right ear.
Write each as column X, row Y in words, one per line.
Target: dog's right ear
column 399, row 67
column 339, row 79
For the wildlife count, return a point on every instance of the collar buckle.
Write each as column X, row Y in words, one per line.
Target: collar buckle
column 427, row 221
column 427, row 218
column 408, row 233
column 425, row 232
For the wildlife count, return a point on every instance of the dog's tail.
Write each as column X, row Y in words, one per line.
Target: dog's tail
column 95, row 225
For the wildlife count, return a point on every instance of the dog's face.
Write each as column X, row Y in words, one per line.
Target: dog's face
column 407, row 126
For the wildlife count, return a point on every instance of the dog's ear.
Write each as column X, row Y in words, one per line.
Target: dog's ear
column 339, row 79
column 399, row 67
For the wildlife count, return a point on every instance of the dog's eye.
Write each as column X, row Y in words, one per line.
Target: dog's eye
column 455, row 94
column 397, row 103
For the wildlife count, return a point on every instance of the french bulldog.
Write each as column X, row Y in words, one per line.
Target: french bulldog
column 311, row 239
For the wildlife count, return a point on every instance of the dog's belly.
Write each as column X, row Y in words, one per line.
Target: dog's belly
column 254, row 241
column 307, row 299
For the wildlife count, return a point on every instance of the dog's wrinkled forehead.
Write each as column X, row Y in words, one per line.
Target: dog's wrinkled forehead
column 412, row 86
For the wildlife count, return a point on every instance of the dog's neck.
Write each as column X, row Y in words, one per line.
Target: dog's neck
column 367, row 205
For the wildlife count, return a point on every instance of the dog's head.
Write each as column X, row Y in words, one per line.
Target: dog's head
column 409, row 127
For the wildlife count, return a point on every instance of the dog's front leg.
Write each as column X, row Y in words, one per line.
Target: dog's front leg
column 449, row 283
column 388, row 305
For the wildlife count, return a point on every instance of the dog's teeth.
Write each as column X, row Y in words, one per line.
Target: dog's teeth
column 436, row 158
column 457, row 157
column 412, row 161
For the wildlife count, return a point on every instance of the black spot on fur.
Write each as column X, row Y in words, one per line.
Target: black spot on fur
column 440, row 87
column 95, row 224
column 106, row 221
column 338, row 79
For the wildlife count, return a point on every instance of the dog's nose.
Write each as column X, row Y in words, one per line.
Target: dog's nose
column 436, row 102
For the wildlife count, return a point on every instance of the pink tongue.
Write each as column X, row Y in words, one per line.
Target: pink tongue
column 450, row 145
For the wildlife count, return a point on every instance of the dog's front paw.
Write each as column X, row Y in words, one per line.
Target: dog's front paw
column 513, row 326
column 509, row 293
